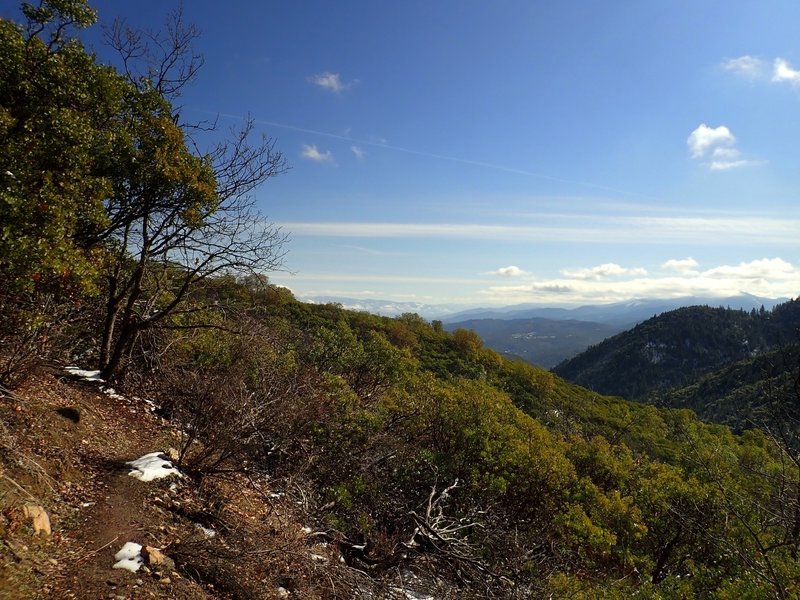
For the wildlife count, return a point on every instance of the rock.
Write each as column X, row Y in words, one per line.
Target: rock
column 283, row 592
column 39, row 519
column 173, row 454
column 157, row 559
column 165, row 581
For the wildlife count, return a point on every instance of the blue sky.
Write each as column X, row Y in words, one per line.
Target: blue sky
column 515, row 151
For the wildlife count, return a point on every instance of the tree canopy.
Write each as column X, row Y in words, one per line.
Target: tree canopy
column 103, row 189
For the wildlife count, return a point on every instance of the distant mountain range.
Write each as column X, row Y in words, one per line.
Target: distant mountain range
column 544, row 335
column 619, row 313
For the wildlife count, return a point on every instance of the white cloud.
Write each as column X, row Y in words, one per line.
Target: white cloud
column 769, row 277
column 704, row 138
column 724, row 153
column 311, row 152
column 684, row 265
column 765, row 268
column 718, row 143
column 724, row 165
column 747, row 66
column 755, row 68
column 509, row 271
column 358, row 152
column 783, row 72
column 330, row 81
column 601, row 271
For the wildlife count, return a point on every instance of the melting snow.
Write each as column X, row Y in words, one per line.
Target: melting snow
column 84, row 374
column 152, row 466
column 112, row 393
column 129, row 557
column 207, row 531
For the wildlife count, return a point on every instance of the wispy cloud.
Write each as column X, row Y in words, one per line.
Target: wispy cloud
column 380, row 142
column 681, row 265
column 725, row 165
column 583, row 229
column 311, row 152
column 509, row 271
column 602, row 271
column 754, row 68
column 331, row 82
column 717, row 143
column 783, row 72
column 358, row 152
column 746, row 66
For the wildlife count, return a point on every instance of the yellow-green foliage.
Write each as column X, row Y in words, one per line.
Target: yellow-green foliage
column 57, row 132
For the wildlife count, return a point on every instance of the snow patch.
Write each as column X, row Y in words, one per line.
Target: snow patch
column 206, row 531
column 84, row 374
column 152, row 466
column 129, row 557
column 112, row 393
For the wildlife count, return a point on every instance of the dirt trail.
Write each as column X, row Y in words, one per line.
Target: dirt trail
column 70, row 445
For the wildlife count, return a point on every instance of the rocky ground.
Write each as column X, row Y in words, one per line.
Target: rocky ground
column 68, row 505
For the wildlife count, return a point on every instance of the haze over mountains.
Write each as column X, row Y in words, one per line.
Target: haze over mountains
column 546, row 335
column 629, row 311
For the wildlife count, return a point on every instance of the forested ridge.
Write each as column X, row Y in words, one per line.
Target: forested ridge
column 415, row 454
column 678, row 347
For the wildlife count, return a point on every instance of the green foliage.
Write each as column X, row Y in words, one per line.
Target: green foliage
column 415, row 441
column 101, row 189
column 57, row 132
column 674, row 349
column 748, row 393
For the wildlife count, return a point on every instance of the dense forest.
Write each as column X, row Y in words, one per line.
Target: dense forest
column 418, row 450
column 679, row 346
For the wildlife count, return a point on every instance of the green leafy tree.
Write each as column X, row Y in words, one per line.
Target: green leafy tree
column 99, row 177
column 57, row 113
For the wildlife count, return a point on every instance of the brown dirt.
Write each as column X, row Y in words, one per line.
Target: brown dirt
column 64, row 444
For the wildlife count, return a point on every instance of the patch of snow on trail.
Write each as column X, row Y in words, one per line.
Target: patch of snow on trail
column 112, row 393
column 84, row 374
column 129, row 557
column 152, row 466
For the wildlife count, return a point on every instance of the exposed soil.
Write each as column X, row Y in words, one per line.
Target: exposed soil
column 64, row 445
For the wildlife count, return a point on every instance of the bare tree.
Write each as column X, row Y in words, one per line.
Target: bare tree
column 177, row 216
column 164, row 60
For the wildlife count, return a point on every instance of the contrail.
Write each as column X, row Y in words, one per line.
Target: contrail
column 455, row 159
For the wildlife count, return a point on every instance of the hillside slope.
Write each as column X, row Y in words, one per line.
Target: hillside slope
column 678, row 347
column 335, row 454
column 749, row 393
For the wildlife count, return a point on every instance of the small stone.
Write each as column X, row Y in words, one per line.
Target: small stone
column 39, row 519
column 165, row 581
column 157, row 559
column 139, row 582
